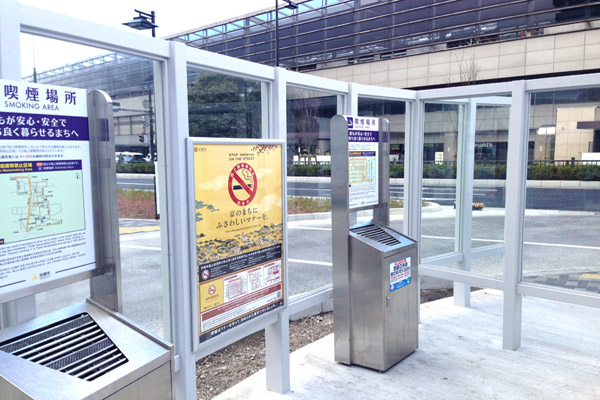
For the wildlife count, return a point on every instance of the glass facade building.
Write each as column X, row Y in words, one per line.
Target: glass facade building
column 323, row 33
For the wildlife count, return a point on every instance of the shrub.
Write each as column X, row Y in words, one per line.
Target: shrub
column 566, row 172
column 545, row 171
column 541, row 172
column 396, row 170
column 309, row 170
column 136, row 203
column 588, row 172
column 136, row 168
column 301, row 205
column 447, row 171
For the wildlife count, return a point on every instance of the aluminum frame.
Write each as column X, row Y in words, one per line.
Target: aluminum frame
column 224, row 339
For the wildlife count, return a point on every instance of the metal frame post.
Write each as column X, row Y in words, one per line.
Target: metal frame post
column 23, row 309
column 176, row 182
column 413, row 168
column 516, row 177
column 277, row 335
column 464, row 199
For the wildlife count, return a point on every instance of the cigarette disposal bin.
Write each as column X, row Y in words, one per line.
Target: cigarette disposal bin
column 375, row 268
column 383, row 297
column 83, row 352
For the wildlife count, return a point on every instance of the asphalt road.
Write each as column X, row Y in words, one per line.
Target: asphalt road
column 556, row 241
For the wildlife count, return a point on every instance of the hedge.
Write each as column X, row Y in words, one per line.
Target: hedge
column 589, row 172
column 136, row 168
column 309, row 170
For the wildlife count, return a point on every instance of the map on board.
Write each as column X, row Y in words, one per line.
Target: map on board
column 362, row 171
column 41, row 204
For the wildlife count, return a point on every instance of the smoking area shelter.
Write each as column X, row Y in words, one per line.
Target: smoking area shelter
column 198, row 316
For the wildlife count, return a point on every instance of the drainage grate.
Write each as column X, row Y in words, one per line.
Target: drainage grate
column 76, row 346
column 377, row 234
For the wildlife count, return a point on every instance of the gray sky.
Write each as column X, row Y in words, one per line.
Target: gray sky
column 172, row 16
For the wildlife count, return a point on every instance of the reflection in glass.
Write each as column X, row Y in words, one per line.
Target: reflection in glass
column 309, row 114
column 395, row 112
column 562, row 217
column 130, row 82
column 223, row 105
column 489, row 173
column 440, row 151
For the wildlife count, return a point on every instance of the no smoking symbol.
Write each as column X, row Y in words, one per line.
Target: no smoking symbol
column 205, row 274
column 212, row 289
column 242, row 184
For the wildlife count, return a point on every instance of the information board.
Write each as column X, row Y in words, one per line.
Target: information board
column 238, row 196
column 363, row 171
column 46, row 228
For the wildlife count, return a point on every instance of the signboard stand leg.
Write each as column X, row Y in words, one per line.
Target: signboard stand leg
column 277, row 344
column 16, row 311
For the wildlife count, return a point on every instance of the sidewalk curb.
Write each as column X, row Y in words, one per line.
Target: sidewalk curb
column 432, row 207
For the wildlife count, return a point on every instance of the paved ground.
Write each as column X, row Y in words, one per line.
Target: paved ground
column 585, row 282
column 588, row 281
column 460, row 356
column 131, row 225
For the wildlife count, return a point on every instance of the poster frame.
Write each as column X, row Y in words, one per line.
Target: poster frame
column 265, row 319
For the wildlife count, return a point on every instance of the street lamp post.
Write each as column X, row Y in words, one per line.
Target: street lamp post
column 290, row 5
column 144, row 21
column 141, row 22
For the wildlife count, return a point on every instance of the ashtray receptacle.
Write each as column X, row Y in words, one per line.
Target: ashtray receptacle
column 384, row 296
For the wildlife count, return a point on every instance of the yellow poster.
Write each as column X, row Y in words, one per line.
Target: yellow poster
column 239, row 233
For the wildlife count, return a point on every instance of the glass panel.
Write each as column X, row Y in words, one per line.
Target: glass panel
column 395, row 112
column 309, row 113
column 489, row 173
column 224, row 105
column 562, row 217
column 489, row 266
column 130, row 82
column 440, row 151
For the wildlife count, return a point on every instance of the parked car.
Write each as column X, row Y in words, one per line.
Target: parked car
column 129, row 157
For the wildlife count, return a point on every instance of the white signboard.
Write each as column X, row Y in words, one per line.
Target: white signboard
column 363, row 172
column 46, row 227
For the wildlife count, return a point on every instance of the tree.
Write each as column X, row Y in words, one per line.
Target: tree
column 468, row 70
column 303, row 111
column 224, row 106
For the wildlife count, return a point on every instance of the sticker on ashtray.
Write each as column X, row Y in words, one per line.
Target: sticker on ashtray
column 400, row 273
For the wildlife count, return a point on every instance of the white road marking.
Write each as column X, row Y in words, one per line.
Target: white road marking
column 570, row 246
column 132, row 246
column 325, row 263
column 309, row 228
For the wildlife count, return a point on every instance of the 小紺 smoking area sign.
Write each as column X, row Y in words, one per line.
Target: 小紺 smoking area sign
column 46, row 218
column 238, row 215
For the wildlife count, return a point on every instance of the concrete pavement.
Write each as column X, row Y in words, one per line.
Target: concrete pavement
column 460, row 356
